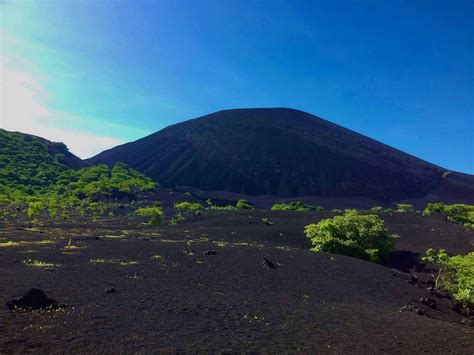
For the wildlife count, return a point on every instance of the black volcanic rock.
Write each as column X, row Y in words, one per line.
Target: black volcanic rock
column 278, row 151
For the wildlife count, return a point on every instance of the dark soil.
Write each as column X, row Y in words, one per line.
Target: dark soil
column 230, row 300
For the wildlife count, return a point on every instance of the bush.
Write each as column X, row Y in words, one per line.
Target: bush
column 433, row 207
column 352, row 234
column 404, row 207
column 154, row 215
column 34, row 209
column 186, row 206
column 222, row 208
column 376, row 209
column 176, row 219
column 455, row 274
column 243, row 205
column 458, row 213
column 296, row 206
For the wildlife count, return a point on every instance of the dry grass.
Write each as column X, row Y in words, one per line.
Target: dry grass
column 113, row 261
column 40, row 264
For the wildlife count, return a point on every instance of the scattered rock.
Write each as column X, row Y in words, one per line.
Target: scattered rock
column 430, row 283
column 468, row 321
column 438, row 293
column 267, row 222
column 413, row 309
column 187, row 252
column 34, row 299
column 465, row 311
column 419, row 311
column 413, row 280
column 110, row 290
column 428, row 302
column 209, row 252
column 267, row 263
column 457, row 307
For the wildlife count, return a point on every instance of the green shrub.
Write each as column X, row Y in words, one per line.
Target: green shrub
column 243, row 205
column 455, row 274
column 376, row 209
column 296, row 206
column 176, row 219
column 33, row 178
column 404, row 207
column 458, row 213
column 154, row 215
column 34, row 209
column 222, row 208
column 186, row 206
column 433, row 207
column 352, row 234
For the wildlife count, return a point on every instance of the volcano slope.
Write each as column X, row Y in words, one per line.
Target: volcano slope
column 280, row 152
column 173, row 296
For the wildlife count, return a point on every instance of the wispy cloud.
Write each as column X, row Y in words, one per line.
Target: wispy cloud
column 24, row 107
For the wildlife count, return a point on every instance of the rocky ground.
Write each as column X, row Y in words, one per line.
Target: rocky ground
column 225, row 282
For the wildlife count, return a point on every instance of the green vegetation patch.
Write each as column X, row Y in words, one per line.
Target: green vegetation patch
column 9, row 244
column 296, row 206
column 36, row 182
column 458, row 213
column 352, row 234
column 455, row 274
column 158, row 258
column 114, row 261
column 25, row 243
column 185, row 206
column 243, row 205
column 404, row 207
column 40, row 264
column 154, row 215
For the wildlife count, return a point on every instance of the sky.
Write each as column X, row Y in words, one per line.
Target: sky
column 97, row 73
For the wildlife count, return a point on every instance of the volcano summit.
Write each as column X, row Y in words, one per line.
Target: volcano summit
column 276, row 151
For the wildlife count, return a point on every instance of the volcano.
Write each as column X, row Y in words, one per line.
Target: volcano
column 276, row 151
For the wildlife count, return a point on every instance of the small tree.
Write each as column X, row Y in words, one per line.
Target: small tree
column 352, row 234
column 154, row 215
column 186, row 206
column 404, row 207
column 34, row 209
column 433, row 207
column 439, row 258
column 455, row 274
column 376, row 209
column 243, row 205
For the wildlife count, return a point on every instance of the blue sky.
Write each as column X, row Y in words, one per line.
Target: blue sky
column 98, row 73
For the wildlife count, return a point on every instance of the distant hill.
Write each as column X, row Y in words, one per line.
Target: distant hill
column 28, row 162
column 277, row 151
column 33, row 167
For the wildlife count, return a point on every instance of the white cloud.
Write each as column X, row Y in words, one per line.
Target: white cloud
column 23, row 108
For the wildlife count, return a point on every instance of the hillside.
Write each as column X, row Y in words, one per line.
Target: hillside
column 279, row 152
column 33, row 169
column 29, row 163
